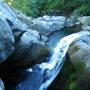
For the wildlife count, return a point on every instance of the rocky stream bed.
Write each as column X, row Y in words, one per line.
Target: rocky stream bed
column 44, row 53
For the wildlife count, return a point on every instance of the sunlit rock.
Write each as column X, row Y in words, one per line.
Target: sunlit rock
column 49, row 24
column 10, row 16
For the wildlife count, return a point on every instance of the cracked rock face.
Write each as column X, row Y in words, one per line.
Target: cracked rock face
column 6, row 40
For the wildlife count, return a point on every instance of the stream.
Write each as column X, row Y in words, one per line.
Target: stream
column 42, row 75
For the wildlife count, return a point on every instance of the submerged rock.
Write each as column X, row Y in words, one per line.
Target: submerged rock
column 6, row 40
column 49, row 24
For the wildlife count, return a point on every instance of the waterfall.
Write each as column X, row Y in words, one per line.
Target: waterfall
column 42, row 75
column 57, row 60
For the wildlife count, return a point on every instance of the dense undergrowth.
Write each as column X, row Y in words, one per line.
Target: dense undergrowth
column 39, row 7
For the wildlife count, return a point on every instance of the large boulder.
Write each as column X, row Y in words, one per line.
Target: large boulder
column 48, row 24
column 9, row 14
column 6, row 40
column 79, row 53
column 29, row 50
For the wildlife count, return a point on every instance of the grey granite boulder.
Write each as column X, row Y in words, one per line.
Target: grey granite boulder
column 9, row 14
column 48, row 24
column 29, row 50
column 6, row 40
column 79, row 53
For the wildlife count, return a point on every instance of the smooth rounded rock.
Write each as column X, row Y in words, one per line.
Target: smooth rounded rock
column 6, row 40
column 79, row 53
column 29, row 50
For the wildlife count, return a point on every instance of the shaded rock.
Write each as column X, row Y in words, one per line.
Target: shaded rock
column 79, row 53
column 6, row 40
column 47, row 24
column 2, row 85
column 39, row 52
column 29, row 51
column 31, row 55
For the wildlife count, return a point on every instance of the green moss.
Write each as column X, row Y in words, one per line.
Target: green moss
column 71, row 83
column 83, row 10
column 72, row 80
column 80, row 67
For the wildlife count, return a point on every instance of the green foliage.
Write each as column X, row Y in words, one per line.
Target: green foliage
column 83, row 10
column 72, row 83
column 38, row 7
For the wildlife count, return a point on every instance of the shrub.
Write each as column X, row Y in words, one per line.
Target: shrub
column 82, row 11
column 39, row 7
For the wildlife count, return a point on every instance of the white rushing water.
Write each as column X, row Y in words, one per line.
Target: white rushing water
column 56, row 62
